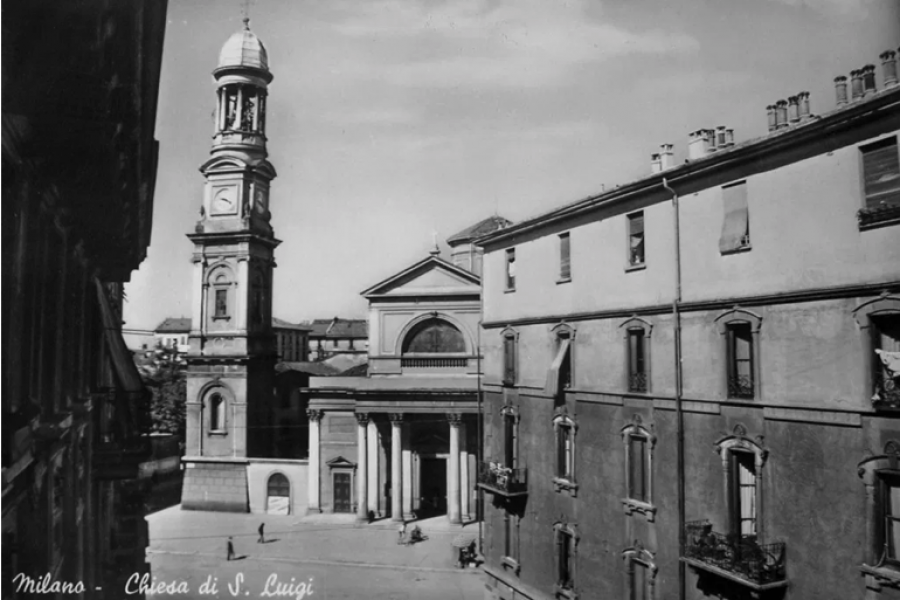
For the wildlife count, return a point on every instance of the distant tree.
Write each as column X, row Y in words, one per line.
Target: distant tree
column 164, row 375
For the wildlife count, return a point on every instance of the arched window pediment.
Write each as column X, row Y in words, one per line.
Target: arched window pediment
column 739, row 440
column 636, row 322
column 884, row 304
column 738, row 314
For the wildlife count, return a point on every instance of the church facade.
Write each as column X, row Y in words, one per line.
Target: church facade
column 403, row 442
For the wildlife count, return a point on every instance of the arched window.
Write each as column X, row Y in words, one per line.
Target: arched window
column 434, row 336
column 221, row 284
column 278, row 495
column 216, row 407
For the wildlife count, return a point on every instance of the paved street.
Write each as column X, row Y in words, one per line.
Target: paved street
column 333, row 557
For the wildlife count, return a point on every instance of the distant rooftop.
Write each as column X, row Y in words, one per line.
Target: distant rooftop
column 339, row 328
column 183, row 325
column 483, row 227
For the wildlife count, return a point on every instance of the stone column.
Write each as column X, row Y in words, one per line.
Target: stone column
column 396, row 477
column 407, row 473
column 373, row 477
column 362, row 461
column 453, row 487
column 312, row 505
column 464, row 487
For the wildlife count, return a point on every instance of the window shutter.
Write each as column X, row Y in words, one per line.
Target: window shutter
column 881, row 174
column 736, row 225
column 553, row 386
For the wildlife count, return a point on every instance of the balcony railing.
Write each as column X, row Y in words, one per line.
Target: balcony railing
column 887, row 391
column 637, row 382
column 739, row 558
column 433, row 363
column 740, row 386
column 496, row 478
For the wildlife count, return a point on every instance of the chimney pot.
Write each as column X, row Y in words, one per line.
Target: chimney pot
column 804, row 106
column 666, row 157
column 770, row 115
column 840, row 89
column 655, row 165
column 856, row 85
column 793, row 110
column 889, row 66
column 781, row 110
column 729, row 137
column 868, row 79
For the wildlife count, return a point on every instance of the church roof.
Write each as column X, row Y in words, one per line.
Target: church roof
column 484, row 227
column 244, row 49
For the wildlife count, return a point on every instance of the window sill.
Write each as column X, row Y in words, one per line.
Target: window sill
column 509, row 290
column 225, row 318
column 563, row 280
column 635, row 267
column 564, row 592
column 738, row 250
column 882, row 576
column 565, row 485
column 511, row 564
column 220, row 432
column 636, row 506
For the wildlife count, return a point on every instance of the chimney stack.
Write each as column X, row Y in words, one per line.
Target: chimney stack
column 781, row 114
column 868, row 77
column 655, row 165
column 840, row 90
column 793, row 110
column 889, row 65
column 698, row 144
column 729, row 137
column 770, row 114
column 666, row 157
column 856, row 85
column 710, row 135
column 804, row 106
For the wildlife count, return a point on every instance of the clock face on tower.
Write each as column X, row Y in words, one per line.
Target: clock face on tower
column 224, row 201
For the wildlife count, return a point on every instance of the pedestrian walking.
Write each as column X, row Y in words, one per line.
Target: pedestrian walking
column 230, row 549
column 401, row 533
column 262, row 534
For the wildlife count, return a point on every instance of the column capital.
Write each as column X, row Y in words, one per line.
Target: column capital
column 396, row 417
column 313, row 414
column 455, row 419
column 362, row 418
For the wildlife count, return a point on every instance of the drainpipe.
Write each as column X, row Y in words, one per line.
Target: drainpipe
column 479, row 509
column 679, row 415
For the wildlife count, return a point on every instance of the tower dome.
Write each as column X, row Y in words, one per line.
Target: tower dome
column 244, row 49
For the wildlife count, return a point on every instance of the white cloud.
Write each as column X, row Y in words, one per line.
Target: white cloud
column 521, row 44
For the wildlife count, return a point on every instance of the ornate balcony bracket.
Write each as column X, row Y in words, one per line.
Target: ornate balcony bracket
column 636, row 506
column 879, row 577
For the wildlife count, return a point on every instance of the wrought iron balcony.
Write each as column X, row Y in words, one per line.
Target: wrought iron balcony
column 637, row 382
column 740, row 386
column 887, row 392
column 736, row 557
column 498, row 479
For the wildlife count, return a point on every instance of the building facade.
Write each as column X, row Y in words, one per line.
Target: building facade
column 691, row 380
column 403, row 441
column 330, row 337
column 80, row 85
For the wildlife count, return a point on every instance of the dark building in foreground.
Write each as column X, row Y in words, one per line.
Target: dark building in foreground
column 691, row 381
column 80, row 84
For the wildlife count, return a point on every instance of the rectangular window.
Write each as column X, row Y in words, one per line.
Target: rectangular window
column 736, row 225
column 509, row 360
column 881, row 173
column 890, row 502
column 564, row 451
column 511, row 269
column 886, row 346
column 509, row 441
column 637, row 373
column 221, row 303
column 743, row 490
column 565, row 262
column 510, row 536
column 639, row 581
column 565, row 555
column 636, row 239
column 739, row 337
column 559, row 377
column 638, row 468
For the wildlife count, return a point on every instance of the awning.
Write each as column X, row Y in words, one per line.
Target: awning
column 553, row 385
column 123, row 362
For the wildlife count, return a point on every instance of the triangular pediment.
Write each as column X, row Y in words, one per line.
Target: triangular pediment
column 432, row 276
column 340, row 462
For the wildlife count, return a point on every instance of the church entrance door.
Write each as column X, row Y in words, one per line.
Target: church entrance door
column 433, row 487
column 342, row 493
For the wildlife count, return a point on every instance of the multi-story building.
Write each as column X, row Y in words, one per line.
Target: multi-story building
column 329, row 337
column 173, row 333
column 403, row 441
column 290, row 338
column 691, row 380
column 80, row 84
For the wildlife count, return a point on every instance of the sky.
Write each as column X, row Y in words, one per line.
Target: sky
column 390, row 120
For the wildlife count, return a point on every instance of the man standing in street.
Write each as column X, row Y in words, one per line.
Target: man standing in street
column 262, row 535
column 230, row 549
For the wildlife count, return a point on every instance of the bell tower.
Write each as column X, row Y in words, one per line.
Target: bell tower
column 231, row 362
